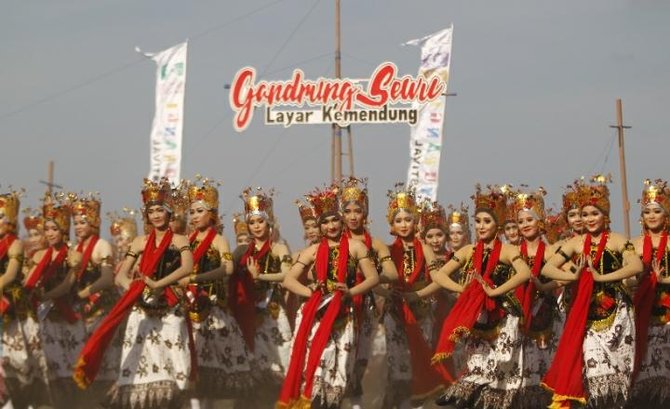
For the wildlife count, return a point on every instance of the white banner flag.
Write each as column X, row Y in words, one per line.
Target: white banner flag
column 425, row 142
column 166, row 131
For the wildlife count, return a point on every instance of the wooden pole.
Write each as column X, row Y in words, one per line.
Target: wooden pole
column 622, row 167
column 336, row 168
column 50, row 176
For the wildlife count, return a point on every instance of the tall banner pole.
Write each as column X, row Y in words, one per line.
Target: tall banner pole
column 425, row 143
column 168, row 123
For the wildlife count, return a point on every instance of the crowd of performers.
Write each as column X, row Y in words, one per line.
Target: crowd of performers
column 543, row 309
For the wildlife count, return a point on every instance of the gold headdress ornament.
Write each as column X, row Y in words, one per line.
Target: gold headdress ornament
column 306, row 211
column 9, row 204
column 258, row 204
column 656, row 192
column 571, row 199
column 180, row 198
column 355, row 190
column 157, row 193
column 532, row 202
column 123, row 224
column 324, row 201
column 596, row 194
column 401, row 198
column 459, row 217
column 206, row 192
column 240, row 224
column 58, row 208
column 33, row 219
column 89, row 207
column 432, row 216
column 510, row 194
column 493, row 202
column 555, row 226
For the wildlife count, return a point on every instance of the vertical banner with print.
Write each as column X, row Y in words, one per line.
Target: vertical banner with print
column 426, row 136
column 166, row 131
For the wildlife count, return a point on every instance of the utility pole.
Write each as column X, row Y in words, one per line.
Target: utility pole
column 622, row 167
column 50, row 182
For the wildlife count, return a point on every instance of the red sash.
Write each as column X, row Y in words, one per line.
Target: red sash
column 5, row 244
column 90, row 358
column 242, row 293
column 290, row 392
column 86, row 254
column 525, row 293
column 645, row 298
column 426, row 378
column 463, row 315
column 565, row 375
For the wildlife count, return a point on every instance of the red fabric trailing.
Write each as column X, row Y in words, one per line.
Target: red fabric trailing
column 91, row 355
column 300, row 357
column 565, row 375
column 242, row 293
column 5, row 244
column 463, row 315
column 86, row 254
column 525, row 293
column 426, row 378
column 645, row 297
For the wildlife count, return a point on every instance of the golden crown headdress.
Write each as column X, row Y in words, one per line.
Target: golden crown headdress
column 432, row 216
column 355, row 190
column 258, row 203
column 87, row 206
column 656, row 192
column 125, row 224
column 510, row 193
column 596, row 194
column 324, row 201
column 10, row 203
column 159, row 192
column 240, row 224
column 571, row 196
column 459, row 217
column 179, row 198
column 306, row 211
column 528, row 201
column 401, row 198
column 555, row 226
column 33, row 219
column 494, row 202
column 58, row 208
column 206, row 191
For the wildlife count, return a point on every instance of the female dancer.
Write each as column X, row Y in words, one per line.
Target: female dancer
column 54, row 274
column 652, row 309
column 541, row 320
column 256, row 297
column 319, row 376
column 157, row 353
column 223, row 358
column 23, row 359
column 593, row 362
column 123, row 230
column 354, row 209
column 486, row 314
column 408, row 316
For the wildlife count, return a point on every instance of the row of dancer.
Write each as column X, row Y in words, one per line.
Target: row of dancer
column 180, row 321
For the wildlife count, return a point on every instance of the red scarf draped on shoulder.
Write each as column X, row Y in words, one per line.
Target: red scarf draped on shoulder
column 525, row 293
column 565, row 375
column 426, row 378
column 5, row 244
column 242, row 293
column 463, row 315
column 645, row 297
column 86, row 253
column 91, row 355
column 290, row 396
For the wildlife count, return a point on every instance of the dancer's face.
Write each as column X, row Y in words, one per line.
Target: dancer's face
column 404, row 224
column 436, row 239
column 594, row 219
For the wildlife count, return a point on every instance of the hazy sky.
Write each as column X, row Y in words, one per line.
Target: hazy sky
column 536, row 80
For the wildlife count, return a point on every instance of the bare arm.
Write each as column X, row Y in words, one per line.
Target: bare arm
column 443, row 275
column 389, row 272
column 74, row 264
column 124, row 277
column 366, row 266
column 632, row 264
column 102, row 253
column 552, row 268
column 292, row 279
column 226, row 267
column 282, row 252
column 9, row 275
column 511, row 255
column 181, row 242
